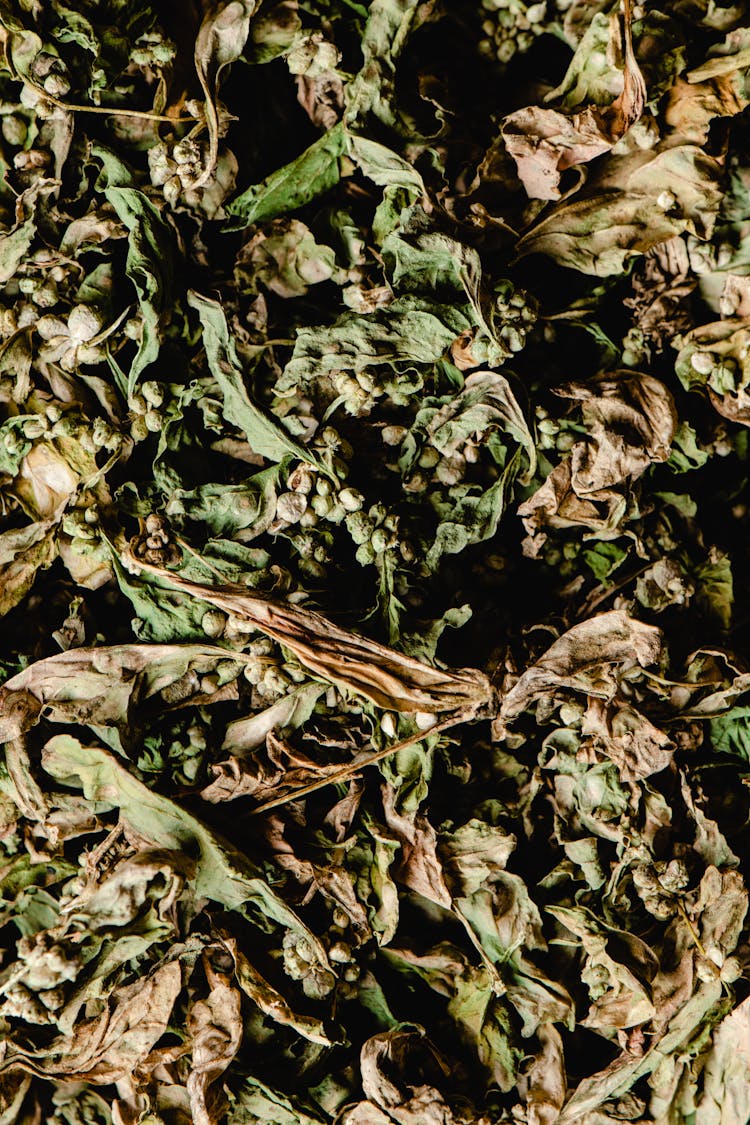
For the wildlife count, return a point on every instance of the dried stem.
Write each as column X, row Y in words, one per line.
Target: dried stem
column 116, row 111
column 691, row 927
column 353, row 768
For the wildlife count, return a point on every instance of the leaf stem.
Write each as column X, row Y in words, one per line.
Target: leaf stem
column 115, row 111
column 352, row 768
column 691, row 927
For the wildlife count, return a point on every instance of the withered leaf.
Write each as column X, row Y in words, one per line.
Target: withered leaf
column 103, row 686
column 215, row 1028
column 636, row 202
column 588, row 658
column 628, row 738
column 107, row 1048
column 545, row 142
column 219, row 42
column 22, row 554
column 407, row 345
column 630, row 420
column 381, row 674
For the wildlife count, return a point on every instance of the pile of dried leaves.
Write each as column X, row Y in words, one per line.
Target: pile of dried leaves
column 375, row 498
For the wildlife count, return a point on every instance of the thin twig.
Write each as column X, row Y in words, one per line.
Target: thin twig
column 353, row 768
column 591, row 603
column 681, row 910
column 116, row 111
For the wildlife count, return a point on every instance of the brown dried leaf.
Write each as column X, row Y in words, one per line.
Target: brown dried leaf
column 268, row 999
column 631, row 421
column 383, row 675
column 726, row 1071
column 721, row 906
column 281, row 769
column 419, row 867
column 618, row 406
column 110, row 1046
column 587, row 659
column 322, row 97
column 661, row 284
column 547, row 1083
column 22, row 787
column 633, row 743
column 692, row 105
column 396, row 1057
column 22, row 553
column 220, row 41
column 631, row 203
column 545, row 142
column 215, row 1026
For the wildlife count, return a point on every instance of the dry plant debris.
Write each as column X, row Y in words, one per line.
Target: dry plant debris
column 374, row 521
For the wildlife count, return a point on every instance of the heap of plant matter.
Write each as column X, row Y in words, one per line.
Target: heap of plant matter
column 374, row 498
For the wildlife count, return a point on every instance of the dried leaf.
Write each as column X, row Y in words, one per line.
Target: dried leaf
column 109, row 1047
column 219, row 42
column 639, row 201
column 103, row 686
column 587, row 658
column 221, row 872
column 383, row 675
column 545, row 142
column 631, row 421
column 215, row 1028
column 22, row 554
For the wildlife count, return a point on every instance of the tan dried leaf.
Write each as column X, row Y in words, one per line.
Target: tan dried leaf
column 45, row 482
column 692, row 105
column 389, row 1062
column 628, row 738
column 419, row 867
column 22, row 553
column 102, row 685
column 268, row 999
column 110, row 1046
column 387, row 677
column 628, row 205
column 587, row 659
column 547, row 1082
column 545, row 142
column 726, row 1071
column 219, row 42
column 215, row 1027
column 631, row 420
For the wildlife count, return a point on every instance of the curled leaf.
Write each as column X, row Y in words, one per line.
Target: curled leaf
column 110, row 1046
column 381, row 674
column 588, row 659
column 631, row 421
column 103, row 686
column 219, row 42
column 215, row 1028
column 22, row 554
column 546, row 142
column 636, row 201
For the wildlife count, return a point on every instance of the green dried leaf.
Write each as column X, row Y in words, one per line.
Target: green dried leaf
column 310, row 175
column 221, row 873
column 267, row 437
column 149, row 267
